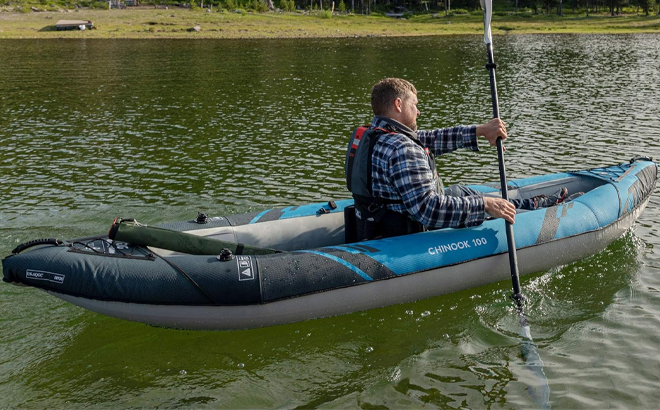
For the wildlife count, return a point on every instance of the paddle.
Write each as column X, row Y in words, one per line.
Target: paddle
column 540, row 389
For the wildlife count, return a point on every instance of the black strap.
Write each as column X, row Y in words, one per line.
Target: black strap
column 373, row 139
column 185, row 275
column 366, row 201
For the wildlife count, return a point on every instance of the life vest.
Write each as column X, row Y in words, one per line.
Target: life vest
column 358, row 164
column 369, row 218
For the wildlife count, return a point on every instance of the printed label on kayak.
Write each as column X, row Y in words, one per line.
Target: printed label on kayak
column 245, row 271
column 455, row 246
column 43, row 275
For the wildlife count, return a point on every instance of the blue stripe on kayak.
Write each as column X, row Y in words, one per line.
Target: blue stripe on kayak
column 256, row 218
column 343, row 262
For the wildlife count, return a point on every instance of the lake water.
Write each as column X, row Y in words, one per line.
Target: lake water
column 159, row 130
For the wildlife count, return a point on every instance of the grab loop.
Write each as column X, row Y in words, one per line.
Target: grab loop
column 640, row 158
column 46, row 241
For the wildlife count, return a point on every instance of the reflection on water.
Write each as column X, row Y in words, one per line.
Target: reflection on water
column 158, row 130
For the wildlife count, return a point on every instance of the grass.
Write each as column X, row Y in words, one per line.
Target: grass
column 175, row 23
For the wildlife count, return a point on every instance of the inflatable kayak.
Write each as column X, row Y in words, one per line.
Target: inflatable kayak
column 290, row 264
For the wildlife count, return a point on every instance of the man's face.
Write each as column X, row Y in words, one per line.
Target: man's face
column 409, row 111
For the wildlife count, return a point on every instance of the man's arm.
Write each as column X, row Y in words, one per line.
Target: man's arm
column 412, row 178
column 444, row 140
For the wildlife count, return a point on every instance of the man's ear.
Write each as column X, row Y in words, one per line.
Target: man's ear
column 398, row 104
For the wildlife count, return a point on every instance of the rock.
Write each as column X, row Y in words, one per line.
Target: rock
column 196, row 29
column 36, row 10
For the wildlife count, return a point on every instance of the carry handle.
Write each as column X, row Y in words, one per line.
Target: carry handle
column 46, row 241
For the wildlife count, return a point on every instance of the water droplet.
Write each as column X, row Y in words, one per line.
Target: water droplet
column 183, row 372
column 409, row 312
column 426, row 313
column 370, row 349
column 241, row 365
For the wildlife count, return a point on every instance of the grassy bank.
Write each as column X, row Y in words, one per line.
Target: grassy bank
column 176, row 23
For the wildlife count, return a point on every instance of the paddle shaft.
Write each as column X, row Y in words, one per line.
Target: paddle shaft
column 511, row 242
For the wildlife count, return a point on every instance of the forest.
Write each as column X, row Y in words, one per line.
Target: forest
column 401, row 7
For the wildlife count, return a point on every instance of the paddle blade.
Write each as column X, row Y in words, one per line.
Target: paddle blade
column 537, row 382
column 487, row 7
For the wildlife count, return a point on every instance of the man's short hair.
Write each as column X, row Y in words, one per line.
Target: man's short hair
column 386, row 91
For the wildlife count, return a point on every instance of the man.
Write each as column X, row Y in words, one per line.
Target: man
column 390, row 170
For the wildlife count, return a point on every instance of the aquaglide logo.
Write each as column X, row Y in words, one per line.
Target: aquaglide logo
column 43, row 275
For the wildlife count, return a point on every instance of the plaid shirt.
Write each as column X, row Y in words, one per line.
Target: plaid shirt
column 401, row 171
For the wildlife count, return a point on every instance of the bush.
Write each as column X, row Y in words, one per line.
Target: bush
column 325, row 14
column 259, row 6
column 99, row 5
column 287, row 5
column 232, row 5
column 459, row 11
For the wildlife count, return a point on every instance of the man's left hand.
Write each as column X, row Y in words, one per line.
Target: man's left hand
column 491, row 130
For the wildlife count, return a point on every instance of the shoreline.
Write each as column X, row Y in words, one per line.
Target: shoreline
column 180, row 23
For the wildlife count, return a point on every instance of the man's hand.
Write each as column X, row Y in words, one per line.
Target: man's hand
column 491, row 130
column 500, row 208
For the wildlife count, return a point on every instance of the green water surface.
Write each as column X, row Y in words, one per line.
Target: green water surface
column 159, row 130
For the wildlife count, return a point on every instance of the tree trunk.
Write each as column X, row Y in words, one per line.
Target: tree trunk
column 270, row 5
